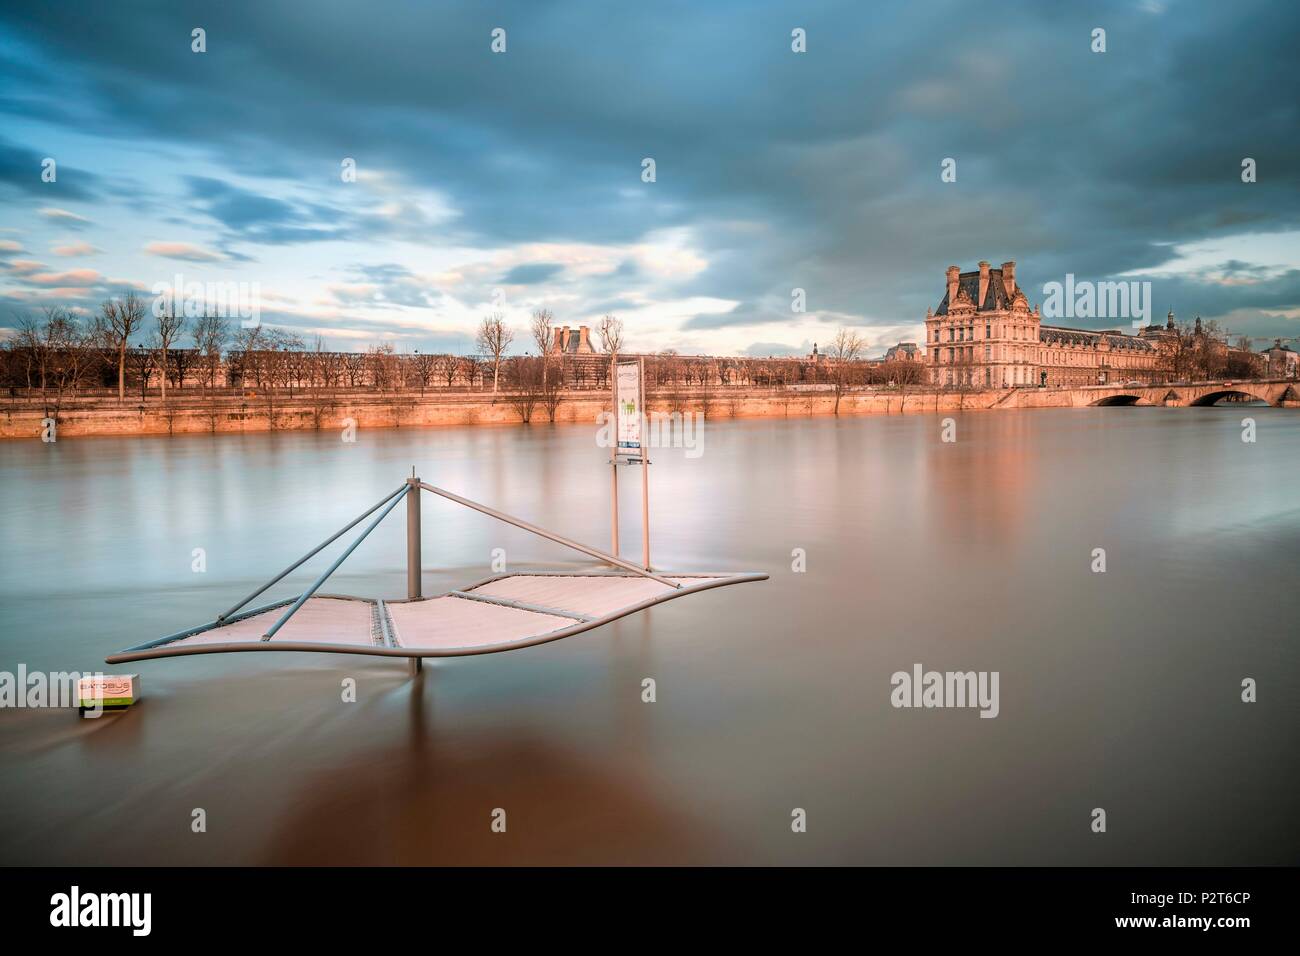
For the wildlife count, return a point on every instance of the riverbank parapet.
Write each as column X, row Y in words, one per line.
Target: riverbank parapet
column 30, row 417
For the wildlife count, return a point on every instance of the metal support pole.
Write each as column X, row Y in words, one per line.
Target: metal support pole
column 613, row 508
column 645, row 474
column 413, row 587
column 613, row 458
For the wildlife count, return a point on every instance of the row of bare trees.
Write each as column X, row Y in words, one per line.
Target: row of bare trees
column 60, row 353
column 494, row 338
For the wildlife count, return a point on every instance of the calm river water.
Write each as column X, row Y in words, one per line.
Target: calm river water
column 1118, row 690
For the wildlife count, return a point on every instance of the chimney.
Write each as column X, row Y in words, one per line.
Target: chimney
column 953, row 273
column 560, row 339
column 584, row 339
column 1009, row 278
column 984, row 283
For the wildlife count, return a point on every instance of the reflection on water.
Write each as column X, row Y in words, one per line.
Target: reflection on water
column 1118, row 690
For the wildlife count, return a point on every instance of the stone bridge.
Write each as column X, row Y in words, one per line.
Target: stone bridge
column 1281, row 393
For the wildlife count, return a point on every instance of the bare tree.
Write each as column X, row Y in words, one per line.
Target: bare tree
column 331, row 368
column 142, row 362
column 493, row 338
column 525, row 379
column 249, row 342
column 281, row 353
column 543, row 330
column 354, row 365
column 472, row 369
column 382, row 360
column 611, row 334
column 543, row 334
column 426, row 366
column 448, row 365
column 58, row 350
column 32, row 339
column 122, row 318
column 844, row 353
column 170, row 326
column 552, row 392
column 1210, row 348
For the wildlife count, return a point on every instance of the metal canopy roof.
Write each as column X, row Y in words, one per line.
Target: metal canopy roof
column 500, row 613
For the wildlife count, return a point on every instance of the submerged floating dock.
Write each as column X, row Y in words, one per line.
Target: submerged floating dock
column 500, row 613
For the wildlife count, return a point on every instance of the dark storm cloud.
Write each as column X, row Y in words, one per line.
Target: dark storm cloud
column 776, row 349
column 20, row 173
column 403, row 336
column 744, row 314
column 532, row 273
column 818, row 170
column 387, row 285
column 254, row 217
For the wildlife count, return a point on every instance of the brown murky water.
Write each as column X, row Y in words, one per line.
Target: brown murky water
column 1118, row 690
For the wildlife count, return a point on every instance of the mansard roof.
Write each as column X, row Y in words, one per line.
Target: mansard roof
column 995, row 296
column 902, row 347
column 1058, row 335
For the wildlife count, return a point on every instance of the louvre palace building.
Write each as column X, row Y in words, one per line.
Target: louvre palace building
column 985, row 334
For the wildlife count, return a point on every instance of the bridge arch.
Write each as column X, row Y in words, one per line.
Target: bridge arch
column 1210, row 398
column 1116, row 400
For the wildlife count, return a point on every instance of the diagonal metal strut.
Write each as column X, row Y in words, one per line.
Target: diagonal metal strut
column 302, row 598
column 520, row 523
column 313, row 552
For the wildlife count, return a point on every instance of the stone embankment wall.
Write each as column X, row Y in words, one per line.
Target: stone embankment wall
column 189, row 413
column 24, row 418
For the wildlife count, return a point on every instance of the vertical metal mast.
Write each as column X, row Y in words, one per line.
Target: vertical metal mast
column 613, row 456
column 413, row 587
column 645, row 472
column 414, row 591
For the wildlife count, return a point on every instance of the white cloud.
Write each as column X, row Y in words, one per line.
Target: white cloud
column 183, row 250
column 63, row 215
column 75, row 249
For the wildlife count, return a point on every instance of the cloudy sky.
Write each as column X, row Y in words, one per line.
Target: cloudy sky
column 519, row 174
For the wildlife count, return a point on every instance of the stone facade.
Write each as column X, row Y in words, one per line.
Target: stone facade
column 985, row 334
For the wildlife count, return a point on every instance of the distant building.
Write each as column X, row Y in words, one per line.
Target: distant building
column 1283, row 361
column 904, row 352
column 569, row 341
column 1160, row 333
column 985, row 335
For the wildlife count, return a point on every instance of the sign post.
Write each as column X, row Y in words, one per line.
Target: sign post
column 613, row 459
column 645, row 469
column 630, row 443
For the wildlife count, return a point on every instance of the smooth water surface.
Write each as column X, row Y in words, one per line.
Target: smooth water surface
column 1118, row 690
